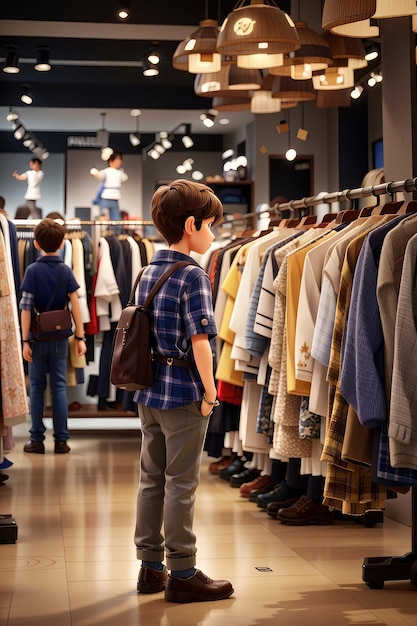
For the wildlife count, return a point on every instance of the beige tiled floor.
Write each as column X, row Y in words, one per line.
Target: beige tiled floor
column 74, row 563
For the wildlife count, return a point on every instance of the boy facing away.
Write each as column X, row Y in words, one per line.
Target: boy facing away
column 38, row 285
column 174, row 412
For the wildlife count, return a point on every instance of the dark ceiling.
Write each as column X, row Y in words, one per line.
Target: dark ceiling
column 87, row 35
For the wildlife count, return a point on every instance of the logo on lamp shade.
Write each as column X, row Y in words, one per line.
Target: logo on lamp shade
column 244, row 26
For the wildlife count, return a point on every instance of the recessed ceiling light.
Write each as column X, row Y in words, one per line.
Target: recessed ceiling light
column 224, row 121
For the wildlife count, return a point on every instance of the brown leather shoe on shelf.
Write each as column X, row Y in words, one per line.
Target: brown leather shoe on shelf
column 197, row 588
column 36, row 447
column 151, row 580
column 305, row 512
column 216, row 466
column 61, row 447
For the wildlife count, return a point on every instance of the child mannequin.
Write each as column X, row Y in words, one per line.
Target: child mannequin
column 174, row 412
column 38, row 285
column 111, row 178
column 34, row 177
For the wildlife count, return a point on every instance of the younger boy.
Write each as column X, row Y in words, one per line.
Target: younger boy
column 38, row 285
column 174, row 412
column 34, row 177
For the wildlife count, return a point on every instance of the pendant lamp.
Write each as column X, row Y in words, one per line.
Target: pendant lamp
column 334, row 78
column 224, row 103
column 314, row 54
column 347, row 49
column 353, row 18
column 257, row 34
column 286, row 88
column 197, row 53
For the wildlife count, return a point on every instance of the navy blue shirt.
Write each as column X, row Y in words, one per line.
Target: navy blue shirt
column 41, row 278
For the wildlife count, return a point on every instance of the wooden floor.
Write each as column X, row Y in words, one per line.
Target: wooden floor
column 74, row 563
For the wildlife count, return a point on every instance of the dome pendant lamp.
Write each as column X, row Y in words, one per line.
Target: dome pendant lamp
column 197, row 54
column 354, row 18
column 258, row 34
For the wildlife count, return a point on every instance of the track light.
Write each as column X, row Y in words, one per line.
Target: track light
column 187, row 141
column 134, row 138
column 42, row 60
column 356, row 92
column 371, row 52
column 123, row 9
column 152, row 54
column 165, row 140
column 26, row 96
column 150, row 69
column 12, row 115
column 208, row 118
column 11, row 63
column 19, row 132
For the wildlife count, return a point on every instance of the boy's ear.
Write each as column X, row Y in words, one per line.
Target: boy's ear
column 189, row 224
column 37, row 246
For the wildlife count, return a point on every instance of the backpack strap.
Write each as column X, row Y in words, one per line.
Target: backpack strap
column 174, row 267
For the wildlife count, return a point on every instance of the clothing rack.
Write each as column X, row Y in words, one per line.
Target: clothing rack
column 375, row 570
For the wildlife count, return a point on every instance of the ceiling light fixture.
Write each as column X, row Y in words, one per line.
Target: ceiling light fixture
column 356, row 92
column 187, row 141
column 134, row 138
column 357, row 19
column 26, row 96
column 12, row 115
column 208, row 118
column 11, row 63
column 372, row 52
column 150, row 69
column 152, row 53
column 198, row 53
column 258, row 35
column 42, row 59
column 19, row 132
column 123, row 9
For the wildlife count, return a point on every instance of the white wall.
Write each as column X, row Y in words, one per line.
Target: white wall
column 52, row 187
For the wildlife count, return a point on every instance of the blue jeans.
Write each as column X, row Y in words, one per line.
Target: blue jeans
column 52, row 357
column 112, row 206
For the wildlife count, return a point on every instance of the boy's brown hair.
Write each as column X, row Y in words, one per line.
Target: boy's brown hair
column 172, row 204
column 49, row 235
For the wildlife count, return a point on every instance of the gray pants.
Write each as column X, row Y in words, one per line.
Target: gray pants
column 172, row 445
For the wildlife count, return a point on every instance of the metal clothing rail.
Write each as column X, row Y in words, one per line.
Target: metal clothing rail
column 409, row 185
column 76, row 222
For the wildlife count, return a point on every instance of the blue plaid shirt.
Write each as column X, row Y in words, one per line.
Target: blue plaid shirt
column 183, row 307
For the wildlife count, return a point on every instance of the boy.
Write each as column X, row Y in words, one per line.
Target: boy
column 174, row 412
column 111, row 178
column 34, row 177
column 38, row 285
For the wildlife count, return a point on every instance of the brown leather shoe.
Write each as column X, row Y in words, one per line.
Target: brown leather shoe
column 197, row 588
column 259, row 484
column 305, row 512
column 61, row 447
column 36, row 447
column 223, row 463
column 273, row 507
column 151, row 580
